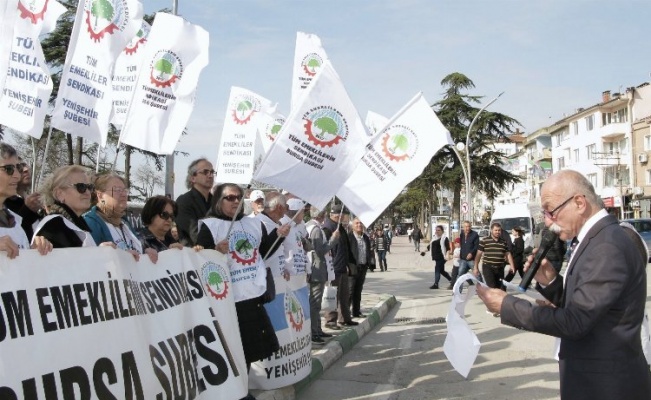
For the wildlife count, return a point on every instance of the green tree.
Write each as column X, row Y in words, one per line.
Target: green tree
column 326, row 125
column 243, row 107
column 102, row 8
column 164, row 67
column 214, row 279
column 401, row 142
column 456, row 112
column 313, row 64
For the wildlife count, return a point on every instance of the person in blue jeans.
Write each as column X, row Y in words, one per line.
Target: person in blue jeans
column 469, row 245
column 381, row 249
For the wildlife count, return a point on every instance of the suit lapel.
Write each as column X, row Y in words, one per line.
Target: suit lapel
column 581, row 247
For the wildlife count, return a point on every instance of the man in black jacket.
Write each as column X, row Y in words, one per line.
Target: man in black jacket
column 360, row 251
column 338, row 220
column 194, row 204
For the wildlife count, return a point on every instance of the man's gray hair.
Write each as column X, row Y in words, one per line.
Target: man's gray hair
column 575, row 182
column 316, row 213
column 192, row 171
column 273, row 199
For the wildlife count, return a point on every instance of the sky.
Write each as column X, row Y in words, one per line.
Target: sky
column 549, row 57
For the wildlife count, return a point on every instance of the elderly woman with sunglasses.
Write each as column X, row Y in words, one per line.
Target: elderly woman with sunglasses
column 67, row 194
column 158, row 215
column 105, row 219
column 12, row 235
column 245, row 245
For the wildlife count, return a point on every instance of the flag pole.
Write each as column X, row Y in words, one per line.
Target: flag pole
column 34, row 155
column 47, row 147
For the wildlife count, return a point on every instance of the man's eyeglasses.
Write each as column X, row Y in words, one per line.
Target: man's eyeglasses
column 232, row 197
column 206, row 171
column 166, row 216
column 82, row 187
column 10, row 169
column 550, row 214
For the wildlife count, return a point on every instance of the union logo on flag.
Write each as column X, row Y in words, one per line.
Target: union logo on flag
column 105, row 16
column 166, row 68
column 399, row 143
column 325, row 126
column 243, row 108
column 33, row 9
column 294, row 311
column 216, row 279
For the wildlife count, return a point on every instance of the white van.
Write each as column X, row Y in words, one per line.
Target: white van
column 512, row 215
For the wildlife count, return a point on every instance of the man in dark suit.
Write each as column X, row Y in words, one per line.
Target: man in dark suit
column 194, row 204
column 360, row 251
column 598, row 307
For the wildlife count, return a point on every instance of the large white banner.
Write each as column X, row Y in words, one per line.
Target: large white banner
column 175, row 55
column 245, row 116
column 24, row 100
column 319, row 145
column 309, row 57
column 290, row 315
column 393, row 159
column 8, row 14
column 125, row 74
column 101, row 31
column 92, row 321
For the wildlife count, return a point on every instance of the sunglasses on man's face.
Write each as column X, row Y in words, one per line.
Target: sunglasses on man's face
column 82, row 187
column 166, row 216
column 10, row 169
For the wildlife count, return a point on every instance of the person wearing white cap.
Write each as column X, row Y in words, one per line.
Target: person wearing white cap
column 257, row 202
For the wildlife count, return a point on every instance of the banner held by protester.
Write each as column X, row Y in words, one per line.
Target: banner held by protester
column 394, row 158
column 100, row 33
column 319, row 145
column 175, row 54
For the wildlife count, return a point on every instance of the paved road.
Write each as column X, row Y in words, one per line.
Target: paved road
column 402, row 358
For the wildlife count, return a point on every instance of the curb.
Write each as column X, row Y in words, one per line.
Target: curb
column 324, row 358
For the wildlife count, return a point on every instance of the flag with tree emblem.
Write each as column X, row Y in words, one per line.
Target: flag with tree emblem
column 125, row 74
column 393, row 159
column 375, row 122
column 309, row 57
column 272, row 122
column 101, row 30
column 175, row 54
column 244, row 117
column 28, row 85
column 319, row 145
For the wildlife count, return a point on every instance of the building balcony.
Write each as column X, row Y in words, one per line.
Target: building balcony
column 614, row 131
column 544, row 154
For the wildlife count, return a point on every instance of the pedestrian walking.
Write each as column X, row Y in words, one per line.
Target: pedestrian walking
column 439, row 248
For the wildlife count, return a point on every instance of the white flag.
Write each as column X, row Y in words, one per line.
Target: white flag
column 28, row 85
column 125, row 74
column 272, row 122
column 320, row 144
column 8, row 15
column 375, row 122
column 309, row 56
column 101, row 31
column 393, row 159
column 244, row 116
column 175, row 55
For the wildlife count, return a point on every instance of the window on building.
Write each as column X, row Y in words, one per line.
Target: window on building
column 611, row 148
column 647, row 142
column 576, row 156
column 621, row 115
column 623, row 147
column 616, row 175
column 593, row 179
column 589, row 122
column 648, row 177
column 575, row 127
column 560, row 163
column 590, row 150
column 606, row 118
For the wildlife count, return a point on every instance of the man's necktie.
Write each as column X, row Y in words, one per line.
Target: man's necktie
column 575, row 242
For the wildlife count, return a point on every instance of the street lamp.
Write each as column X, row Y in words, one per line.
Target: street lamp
column 466, row 168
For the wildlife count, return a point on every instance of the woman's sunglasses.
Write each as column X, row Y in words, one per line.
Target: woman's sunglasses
column 166, row 216
column 11, row 168
column 82, row 187
column 232, row 197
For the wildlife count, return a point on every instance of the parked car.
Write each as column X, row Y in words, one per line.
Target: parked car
column 643, row 227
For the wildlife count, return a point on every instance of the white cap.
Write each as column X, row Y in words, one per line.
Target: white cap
column 256, row 195
column 295, row 204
